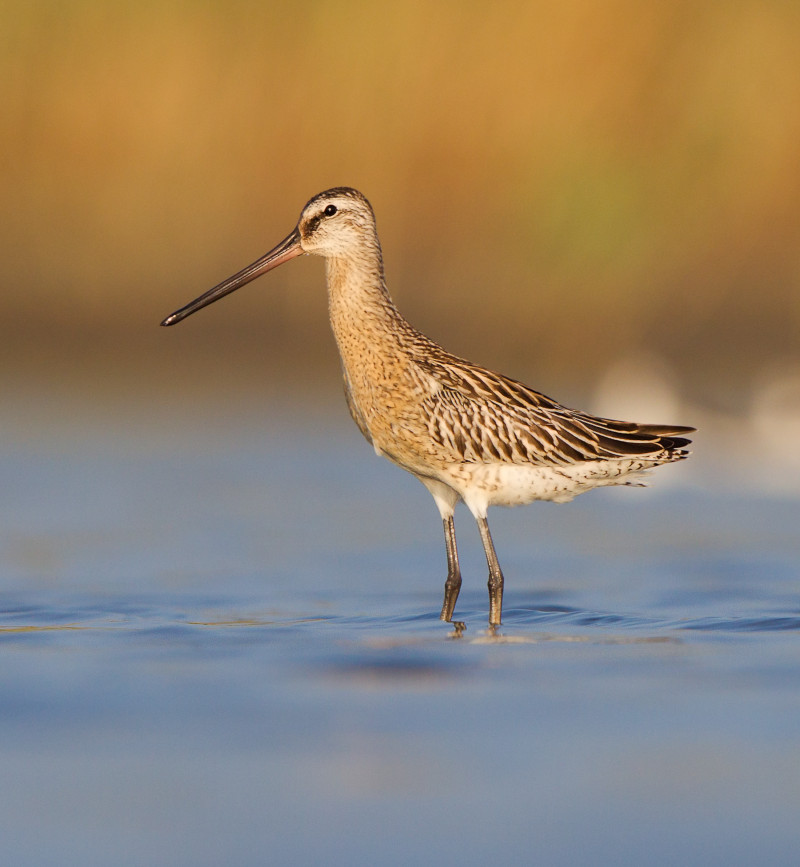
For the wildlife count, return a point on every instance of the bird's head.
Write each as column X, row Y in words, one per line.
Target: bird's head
column 336, row 224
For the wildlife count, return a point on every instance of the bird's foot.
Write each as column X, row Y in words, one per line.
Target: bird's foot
column 459, row 628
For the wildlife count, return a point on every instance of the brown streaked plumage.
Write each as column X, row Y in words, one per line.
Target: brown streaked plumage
column 466, row 433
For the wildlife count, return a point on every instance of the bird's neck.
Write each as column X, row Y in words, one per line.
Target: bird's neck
column 361, row 309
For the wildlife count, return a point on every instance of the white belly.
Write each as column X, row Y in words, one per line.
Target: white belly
column 506, row 484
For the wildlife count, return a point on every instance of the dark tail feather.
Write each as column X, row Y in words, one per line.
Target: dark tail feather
column 666, row 435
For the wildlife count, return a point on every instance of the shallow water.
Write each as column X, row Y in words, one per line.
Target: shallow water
column 220, row 645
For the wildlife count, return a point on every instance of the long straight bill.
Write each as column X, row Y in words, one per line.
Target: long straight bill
column 287, row 249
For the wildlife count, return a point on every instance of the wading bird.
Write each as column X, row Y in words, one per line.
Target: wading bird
column 465, row 432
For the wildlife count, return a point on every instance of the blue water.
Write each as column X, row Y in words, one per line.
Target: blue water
column 220, row 644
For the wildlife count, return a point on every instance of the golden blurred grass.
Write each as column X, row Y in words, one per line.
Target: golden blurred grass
column 557, row 185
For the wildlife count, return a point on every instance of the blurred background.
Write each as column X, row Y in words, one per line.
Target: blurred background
column 600, row 199
column 219, row 611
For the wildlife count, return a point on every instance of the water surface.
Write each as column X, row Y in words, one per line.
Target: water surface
column 220, row 645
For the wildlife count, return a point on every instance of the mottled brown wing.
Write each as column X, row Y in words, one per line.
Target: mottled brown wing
column 483, row 416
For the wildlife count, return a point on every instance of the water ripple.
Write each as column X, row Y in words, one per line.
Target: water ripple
column 174, row 615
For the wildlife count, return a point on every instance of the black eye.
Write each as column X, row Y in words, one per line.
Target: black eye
column 330, row 210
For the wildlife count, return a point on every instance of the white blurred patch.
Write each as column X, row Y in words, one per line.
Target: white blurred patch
column 639, row 388
column 775, row 425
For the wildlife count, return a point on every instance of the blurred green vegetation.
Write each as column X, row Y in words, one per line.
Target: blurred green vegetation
column 557, row 185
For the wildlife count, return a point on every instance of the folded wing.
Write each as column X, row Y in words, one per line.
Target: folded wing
column 482, row 416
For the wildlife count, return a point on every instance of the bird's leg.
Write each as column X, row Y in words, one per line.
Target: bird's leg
column 495, row 575
column 453, row 583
